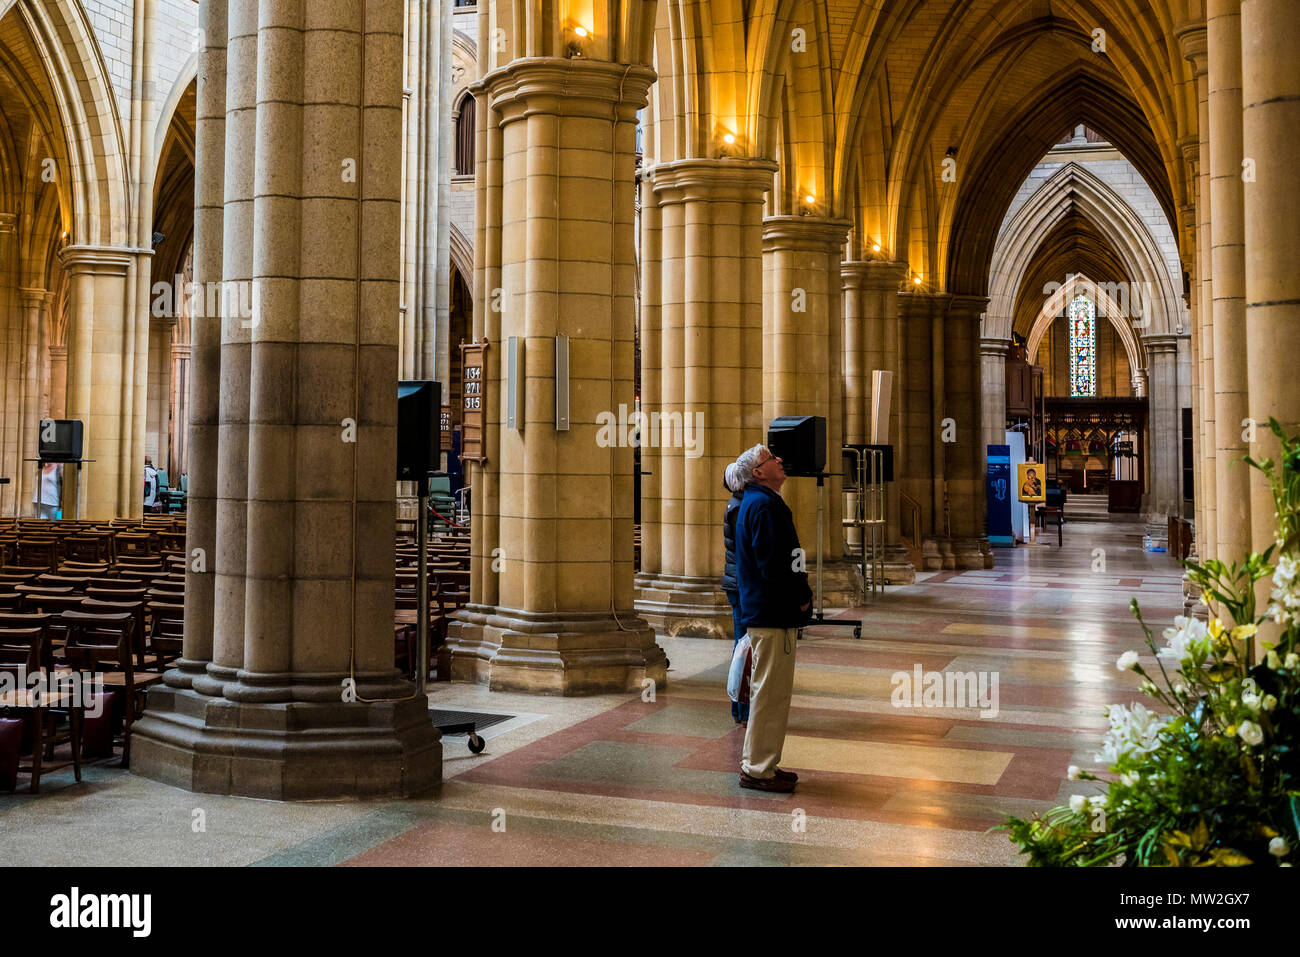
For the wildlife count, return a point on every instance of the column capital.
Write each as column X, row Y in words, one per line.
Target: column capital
column 804, row 232
column 1194, row 45
column 727, row 180
column 922, row 305
column 1162, row 343
column 8, row 221
column 997, row 348
column 568, row 87
column 58, row 352
column 100, row 260
column 35, row 297
column 877, row 274
column 967, row 307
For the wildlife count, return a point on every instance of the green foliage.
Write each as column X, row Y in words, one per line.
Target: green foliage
column 1212, row 777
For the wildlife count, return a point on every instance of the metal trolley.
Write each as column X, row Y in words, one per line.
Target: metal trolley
column 869, row 515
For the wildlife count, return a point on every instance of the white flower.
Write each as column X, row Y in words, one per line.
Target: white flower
column 1127, row 661
column 1278, row 847
column 1128, row 780
column 1072, row 772
column 1251, row 733
column 1131, row 731
column 1270, row 702
column 1284, row 606
column 1077, row 803
column 1188, row 637
column 1291, row 661
column 1098, row 801
column 1252, row 700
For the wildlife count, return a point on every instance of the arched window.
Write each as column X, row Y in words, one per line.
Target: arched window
column 1083, row 347
column 465, row 136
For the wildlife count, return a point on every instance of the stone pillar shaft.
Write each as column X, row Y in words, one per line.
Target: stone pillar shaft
column 701, row 369
column 205, row 349
column 963, row 370
column 563, row 620
column 1270, row 95
column 802, row 374
column 1227, row 254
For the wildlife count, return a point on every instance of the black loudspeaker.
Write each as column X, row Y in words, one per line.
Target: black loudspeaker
column 419, row 429
column 65, row 446
column 851, row 462
column 800, row 442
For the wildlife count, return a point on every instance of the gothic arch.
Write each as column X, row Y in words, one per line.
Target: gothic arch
column 1106, row 305
column 1074, row 187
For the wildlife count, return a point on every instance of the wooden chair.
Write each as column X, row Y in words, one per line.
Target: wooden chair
column 87, row 548
column 134, row 606
column 24, row 652
column 136, row 545
column 38, row 553
column 101, row 644
column 166, row 630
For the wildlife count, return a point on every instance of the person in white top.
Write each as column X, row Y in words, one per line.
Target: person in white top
column 47, row 495
column 150, row 484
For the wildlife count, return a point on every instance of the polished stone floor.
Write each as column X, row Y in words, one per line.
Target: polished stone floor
column 624, row 781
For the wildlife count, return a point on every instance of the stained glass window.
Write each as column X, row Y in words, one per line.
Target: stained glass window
column 1083, row 347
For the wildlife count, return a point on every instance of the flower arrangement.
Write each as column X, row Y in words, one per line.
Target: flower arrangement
column 1212, row 775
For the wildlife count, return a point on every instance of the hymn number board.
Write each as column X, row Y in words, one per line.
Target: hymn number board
column 473, row 400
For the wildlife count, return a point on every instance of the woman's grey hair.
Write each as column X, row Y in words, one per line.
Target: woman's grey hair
column 747, row 461
column 731, row 478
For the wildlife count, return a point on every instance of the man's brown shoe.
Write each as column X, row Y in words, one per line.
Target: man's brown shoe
column 774, row 783
column 785, row 775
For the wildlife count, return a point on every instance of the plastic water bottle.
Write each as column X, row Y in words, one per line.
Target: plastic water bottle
column 1146, row 542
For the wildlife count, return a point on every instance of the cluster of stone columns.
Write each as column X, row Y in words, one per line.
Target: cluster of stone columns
column 702, row 365
column 287, row 686
column 1246, row 297
column 553, row 535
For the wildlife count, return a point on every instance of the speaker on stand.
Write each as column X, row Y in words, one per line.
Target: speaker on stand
column 799, row 441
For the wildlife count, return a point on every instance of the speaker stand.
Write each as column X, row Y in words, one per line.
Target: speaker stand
column 820, row 618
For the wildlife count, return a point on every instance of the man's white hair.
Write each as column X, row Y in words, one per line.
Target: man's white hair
column 731, row 478
column 748, row 460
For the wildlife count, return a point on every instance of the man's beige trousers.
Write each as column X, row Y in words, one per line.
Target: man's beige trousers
column 769, row 698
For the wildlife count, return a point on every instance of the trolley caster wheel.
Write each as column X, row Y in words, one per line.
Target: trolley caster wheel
column 857, row 631
column 476, row 744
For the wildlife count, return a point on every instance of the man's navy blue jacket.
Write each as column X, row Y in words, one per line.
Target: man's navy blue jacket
column 772, row 593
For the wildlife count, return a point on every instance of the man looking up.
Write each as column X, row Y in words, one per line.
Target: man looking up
column 774, row 605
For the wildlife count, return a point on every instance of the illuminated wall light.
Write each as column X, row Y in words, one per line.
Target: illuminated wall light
column 729, row 138
column 875, row 247
column 917, row 280
column 810, row 199
column 581, row 32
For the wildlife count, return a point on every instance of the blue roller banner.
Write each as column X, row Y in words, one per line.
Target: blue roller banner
column 999, row 495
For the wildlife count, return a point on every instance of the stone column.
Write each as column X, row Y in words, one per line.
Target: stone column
column 34, row 303
column 204, row 381
column 58, row 382
column 963, row 368
column 1270, row 95
column 993, row 393
column 705, row 405
column 96, row 393
column 178, row 434
column 1164, row 458
column 316, row 707
column 563, row 620
column 803, row 373
column 1194, row 45
column 1227, row 232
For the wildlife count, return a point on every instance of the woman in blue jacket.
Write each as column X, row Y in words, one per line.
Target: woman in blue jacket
column 731, row 479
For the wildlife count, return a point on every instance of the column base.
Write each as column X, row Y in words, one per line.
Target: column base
column 896, row 564
column 681, row 606
column 938, row 555
column 512, row 650
column 972, row 553
column 289, row 750
column 841, row 579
